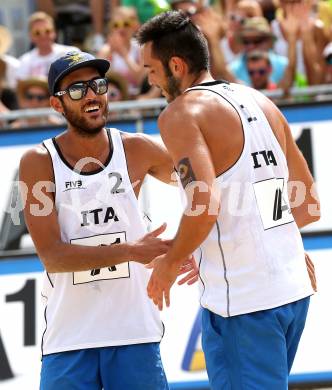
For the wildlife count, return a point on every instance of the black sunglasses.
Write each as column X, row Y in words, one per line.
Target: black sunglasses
column 253, row 41
column 260, row 71
column 78, row 90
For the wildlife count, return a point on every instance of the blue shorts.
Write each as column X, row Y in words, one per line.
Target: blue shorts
column 129, row 367
column 253, row 351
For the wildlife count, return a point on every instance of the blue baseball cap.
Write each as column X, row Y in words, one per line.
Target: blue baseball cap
column 71, row 61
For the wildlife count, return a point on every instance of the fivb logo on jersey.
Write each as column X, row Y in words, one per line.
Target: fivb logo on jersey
column 74, row 185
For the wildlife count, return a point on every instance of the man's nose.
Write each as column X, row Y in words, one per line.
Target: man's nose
column 90, row 93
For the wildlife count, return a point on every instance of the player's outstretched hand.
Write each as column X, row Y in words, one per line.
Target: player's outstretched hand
column 162, row 278
column 189, row 267
column 150, row 246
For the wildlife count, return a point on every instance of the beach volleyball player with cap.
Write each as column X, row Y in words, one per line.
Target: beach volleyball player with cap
column 101, row 331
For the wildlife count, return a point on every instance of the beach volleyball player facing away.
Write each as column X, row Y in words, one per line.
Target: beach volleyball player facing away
column 235, row 155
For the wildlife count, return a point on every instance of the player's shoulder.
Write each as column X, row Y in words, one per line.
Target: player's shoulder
column 38, row 153
column 191, row 107
column 134, row 138
column 143, row 152
column 37, row 161
column 274, row 116
column 181, row 110
column 138, row 143
column 270, row 110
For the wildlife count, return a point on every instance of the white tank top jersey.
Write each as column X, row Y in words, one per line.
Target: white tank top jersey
column 99, row 307
column 253, row 258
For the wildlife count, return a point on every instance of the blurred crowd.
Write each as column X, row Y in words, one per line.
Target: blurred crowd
column 268, row 44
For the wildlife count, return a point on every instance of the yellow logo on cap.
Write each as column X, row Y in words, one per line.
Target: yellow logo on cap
column 75, row 58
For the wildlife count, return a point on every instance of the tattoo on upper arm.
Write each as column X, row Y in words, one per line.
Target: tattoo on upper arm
column 186, row 172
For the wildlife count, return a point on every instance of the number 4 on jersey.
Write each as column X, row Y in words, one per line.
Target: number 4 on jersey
column 272, row 202
column 279, row 206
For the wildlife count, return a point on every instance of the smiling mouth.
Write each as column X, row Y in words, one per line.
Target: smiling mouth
column 92, row 108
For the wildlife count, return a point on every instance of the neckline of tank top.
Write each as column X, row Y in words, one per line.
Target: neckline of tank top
column 211, row 83
column 100, row 169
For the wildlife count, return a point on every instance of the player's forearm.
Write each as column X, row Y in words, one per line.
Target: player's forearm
column 305, row 215
column 309, row 210
column 192, row 231
column 64, row 257
column 203, row 205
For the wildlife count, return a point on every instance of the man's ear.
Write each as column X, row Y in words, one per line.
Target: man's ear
column 177, row 66
column 56, row 104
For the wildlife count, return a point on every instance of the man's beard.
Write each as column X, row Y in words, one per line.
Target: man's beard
column 261, row 85
column 81, row 125
column 173, row 86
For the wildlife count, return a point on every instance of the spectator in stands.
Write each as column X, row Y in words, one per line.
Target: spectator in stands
column 311, row 37
column 235, row 17
column 259, row 69
column 36, row 62
column 256, row 41
column 122, row 50
column 255, row 34
column 33, row 93
column 12, row 64
column 117, row 87
column 117, row 91
column 221, row 30
column 71, row 17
